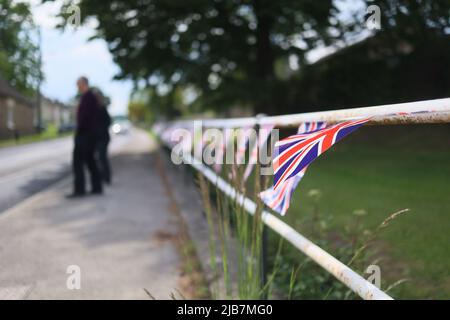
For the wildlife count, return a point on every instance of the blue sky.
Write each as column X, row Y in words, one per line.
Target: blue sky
column 68, row 54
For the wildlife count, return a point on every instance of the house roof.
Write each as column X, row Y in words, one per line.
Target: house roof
column 55, row 102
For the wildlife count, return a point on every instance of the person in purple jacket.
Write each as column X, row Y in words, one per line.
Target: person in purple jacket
column 86, row 139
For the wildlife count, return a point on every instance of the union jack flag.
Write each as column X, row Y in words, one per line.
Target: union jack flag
column 279, row 200
column 243, row 136
column 308, row 127
column 242, row 144
column 220, row 149
column 166, row 136
column 295, row 153
column 264, row 134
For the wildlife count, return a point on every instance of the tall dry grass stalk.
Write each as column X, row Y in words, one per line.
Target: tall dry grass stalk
column 375, row 234
column 227, row 219
column 208, row 209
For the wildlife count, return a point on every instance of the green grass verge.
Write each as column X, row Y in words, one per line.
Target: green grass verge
column 383, row 170
column 50, row 133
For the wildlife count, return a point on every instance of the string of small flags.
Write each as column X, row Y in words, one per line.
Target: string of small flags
column 291, row 157
column 279, row 200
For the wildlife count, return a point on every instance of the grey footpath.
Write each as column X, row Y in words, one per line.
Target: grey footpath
column 112, row 238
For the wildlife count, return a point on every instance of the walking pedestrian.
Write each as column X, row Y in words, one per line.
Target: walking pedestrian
column 104, row 122
column 86, row 139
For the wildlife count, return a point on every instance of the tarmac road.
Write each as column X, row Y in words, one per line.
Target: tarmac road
column 27, row 169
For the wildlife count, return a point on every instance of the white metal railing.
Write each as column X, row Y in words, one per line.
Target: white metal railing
column 431, row 111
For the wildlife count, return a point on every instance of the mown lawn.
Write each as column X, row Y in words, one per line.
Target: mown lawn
column 50, row 133
column 383, row 170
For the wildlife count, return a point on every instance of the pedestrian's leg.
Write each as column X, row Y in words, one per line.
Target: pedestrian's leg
column 78, row 168
column 104, row 161
column 96, row 180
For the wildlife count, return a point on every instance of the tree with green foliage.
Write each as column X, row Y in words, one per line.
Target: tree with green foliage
column 19, row 58
column 149, row 104
column 413, row 21
column 407, row 59
column 226, row 49
column 236, row 52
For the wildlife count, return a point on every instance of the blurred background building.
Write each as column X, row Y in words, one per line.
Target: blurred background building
column 19, row 114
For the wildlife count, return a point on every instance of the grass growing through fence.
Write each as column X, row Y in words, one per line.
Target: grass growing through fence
column 227, row 219
column 344, row 204
column 377, row 171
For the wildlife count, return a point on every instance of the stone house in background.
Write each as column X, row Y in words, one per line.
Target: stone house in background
column 19, row 116
column 56, row 113
column 17, row 113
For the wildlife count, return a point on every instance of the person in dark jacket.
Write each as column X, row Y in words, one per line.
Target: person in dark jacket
column 104, row 122
column 86, row 138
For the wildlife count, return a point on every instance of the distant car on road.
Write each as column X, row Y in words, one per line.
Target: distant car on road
column 121, row 125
